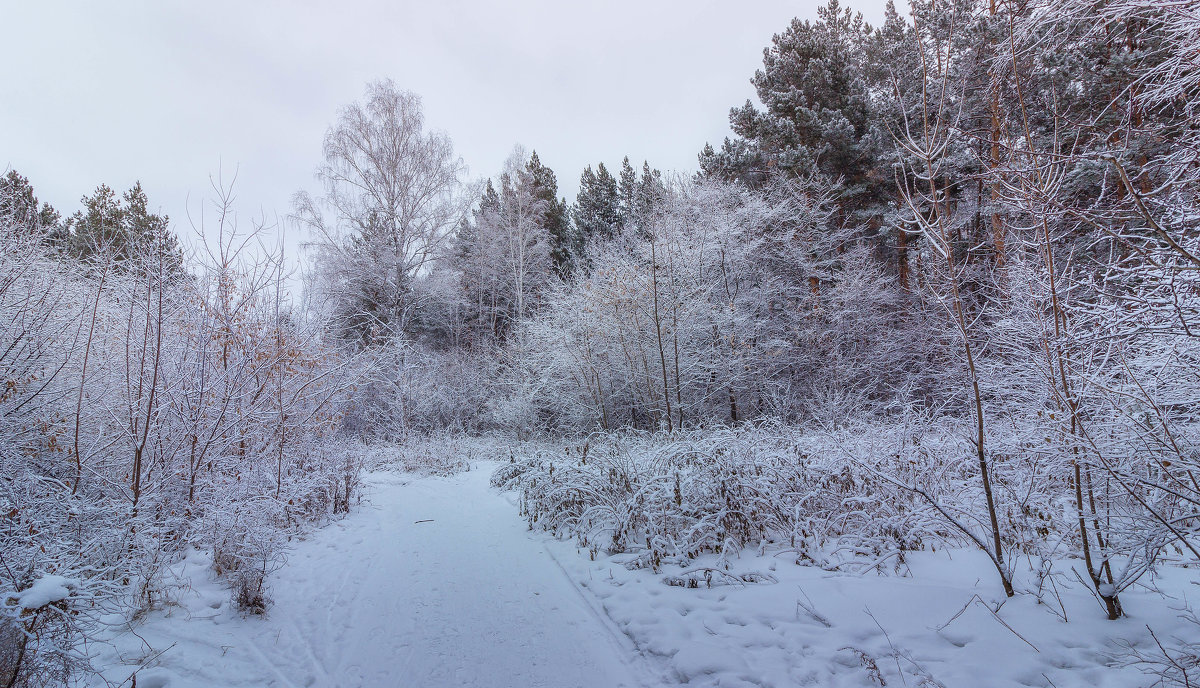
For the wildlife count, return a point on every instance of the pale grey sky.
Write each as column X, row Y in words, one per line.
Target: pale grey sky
column 172, row 92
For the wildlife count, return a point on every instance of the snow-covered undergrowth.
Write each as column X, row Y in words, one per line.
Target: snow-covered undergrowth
column 434, row 454
column 894, row 512
column 147, row 408
column 670, row 499
column 50, row 624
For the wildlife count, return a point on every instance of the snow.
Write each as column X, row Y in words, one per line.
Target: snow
column 933, row 627
column 46, row 590
column 468, row 598
column 437, row 581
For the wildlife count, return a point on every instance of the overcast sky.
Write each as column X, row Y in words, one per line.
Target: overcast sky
column 171, row 93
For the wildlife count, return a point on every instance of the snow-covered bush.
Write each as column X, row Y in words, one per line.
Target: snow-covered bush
column 852, row 498
column 443, row 453
column 834, row 500
column 39, row 631
column 408, row 389
column 142, row 413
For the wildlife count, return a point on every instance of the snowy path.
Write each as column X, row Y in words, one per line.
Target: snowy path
column 435, row 582
column 466, row 598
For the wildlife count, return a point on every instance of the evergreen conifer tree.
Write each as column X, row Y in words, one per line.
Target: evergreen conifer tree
column 19, row 205
column 627, row 187
column 555, row 217
column 597, row 210
column 124, row 229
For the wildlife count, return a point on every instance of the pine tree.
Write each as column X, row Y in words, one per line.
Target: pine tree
column 892, row 69
column 597, row 210
column 627, row 188
column 738, row 160
column 489, row 202
column 505, row 256
column 555, row 215
column 816, row 115
column 123, row 228
column 19, row 205
column 650, row 192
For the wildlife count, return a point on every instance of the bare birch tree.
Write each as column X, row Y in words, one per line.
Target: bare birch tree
column 391, row 196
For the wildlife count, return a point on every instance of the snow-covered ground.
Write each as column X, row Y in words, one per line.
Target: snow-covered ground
column 804, row 626
column 437, row 582
column 432, row 582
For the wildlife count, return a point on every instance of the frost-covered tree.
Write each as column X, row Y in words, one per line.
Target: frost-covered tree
column 506, row 256
column 391, row 197
column 522, row 226
column 144, row 415
column 706, row 312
